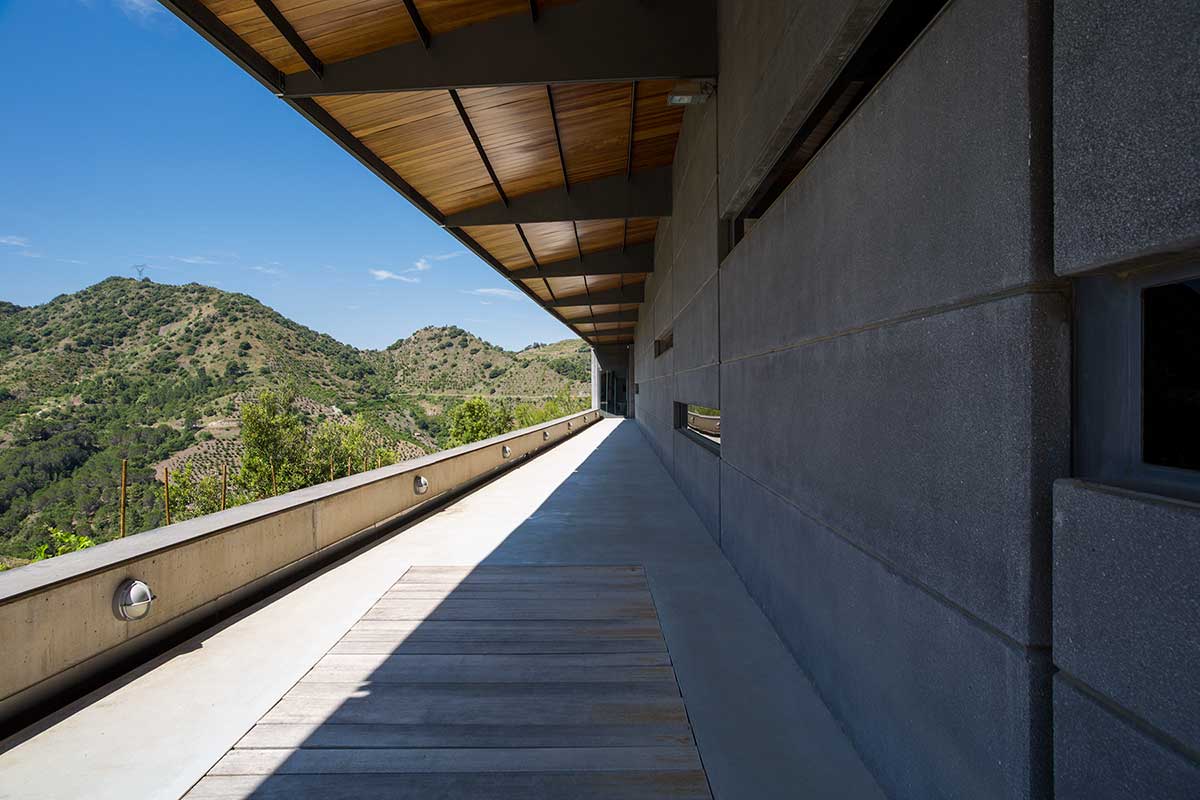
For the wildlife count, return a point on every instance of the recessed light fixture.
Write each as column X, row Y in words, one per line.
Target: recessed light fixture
column 690, row 93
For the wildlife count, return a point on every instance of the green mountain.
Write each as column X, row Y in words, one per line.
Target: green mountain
column 155, row 374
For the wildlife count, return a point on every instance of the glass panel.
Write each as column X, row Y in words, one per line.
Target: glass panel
column 1171, row 375
column 704, row 421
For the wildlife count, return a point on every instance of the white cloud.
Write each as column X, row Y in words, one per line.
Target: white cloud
column 193, row 259
column 30, row 254
column 448, row 256
column 388, row 275
column 507, row 294
column 139, row 9
column 267, row 270
column 14, row 241
column 421, row 265
column 70, row 260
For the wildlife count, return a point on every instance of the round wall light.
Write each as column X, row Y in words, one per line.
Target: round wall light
column 420, row 485
column 132, row 600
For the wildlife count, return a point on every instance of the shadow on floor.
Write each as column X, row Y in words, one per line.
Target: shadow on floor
column 540, row 672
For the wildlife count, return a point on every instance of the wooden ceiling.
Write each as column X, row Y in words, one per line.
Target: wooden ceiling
column 567, row 177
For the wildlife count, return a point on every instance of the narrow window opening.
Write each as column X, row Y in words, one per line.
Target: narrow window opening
column 892, row 35
column 1171, row 375
column 664, row 343
column 700, row 423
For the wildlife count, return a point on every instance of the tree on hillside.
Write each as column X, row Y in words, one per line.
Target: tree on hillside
column 273, row 437
column 562, row 404
column 477, row 419
column 192, row 496
column 342, row 446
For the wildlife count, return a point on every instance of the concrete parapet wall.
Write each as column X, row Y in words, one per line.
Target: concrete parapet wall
column 57, row 622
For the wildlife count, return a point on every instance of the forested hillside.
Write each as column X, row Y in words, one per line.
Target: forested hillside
column 157, row 374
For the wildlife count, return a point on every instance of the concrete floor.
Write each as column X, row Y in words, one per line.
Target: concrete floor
column 599, row 498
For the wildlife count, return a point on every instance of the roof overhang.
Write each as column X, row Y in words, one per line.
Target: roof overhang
column 537, row 133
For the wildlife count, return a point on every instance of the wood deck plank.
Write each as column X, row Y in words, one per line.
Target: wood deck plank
column 549, row 608
column 461, row 786
column 492, row 682
column 514, row 647
column 318, row 761
column 424, row 735
column 491, row 668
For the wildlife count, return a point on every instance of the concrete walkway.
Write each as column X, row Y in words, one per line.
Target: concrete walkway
column 600, row 498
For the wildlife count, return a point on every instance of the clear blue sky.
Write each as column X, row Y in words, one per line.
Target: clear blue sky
column 127, row 139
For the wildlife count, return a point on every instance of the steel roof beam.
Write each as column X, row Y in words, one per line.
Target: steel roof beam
column 639, row 258
column 629, row 294
column 611, row 316
column 589, row 41
column 646, row 194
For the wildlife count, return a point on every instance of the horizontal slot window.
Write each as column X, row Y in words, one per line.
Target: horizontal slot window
column 700, row 423
column 664, row 343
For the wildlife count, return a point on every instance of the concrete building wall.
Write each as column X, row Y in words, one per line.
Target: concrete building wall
column 890, row 349
column 1126, row 576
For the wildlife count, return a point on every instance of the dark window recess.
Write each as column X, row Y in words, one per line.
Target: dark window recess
column 700, row 423
column 895, row 31
column 1171, row 375
column 664, row 343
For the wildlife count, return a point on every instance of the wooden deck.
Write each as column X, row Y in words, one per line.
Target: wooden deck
column 496, row 682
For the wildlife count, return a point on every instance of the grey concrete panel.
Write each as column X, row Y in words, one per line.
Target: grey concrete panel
column 922, row 199
column 698, row 474
column 1126, row 112
column 663, row 253
column 1127, row 601
column 701, row 386
column 937, row 705
column 777, row 59
column 698, row 258
column 696, row 154
column 931, row 442
column 664, row 318
column 696, row 331
column 1100, row 756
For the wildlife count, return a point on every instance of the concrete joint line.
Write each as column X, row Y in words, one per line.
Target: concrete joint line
column 1036, row 287
column 1127, row 717
column 1025, row 650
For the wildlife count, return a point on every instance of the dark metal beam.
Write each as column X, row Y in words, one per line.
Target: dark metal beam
column 629, row 294
column 533, row 10
column 466, row 121
column 293, row 38
column 624, row 330
column 417, row 23
column 611, row 316
column 639, row 258
column 632, row 125
column 204, row 22
column 647, row 194
column 562, row 159
column 585, row 42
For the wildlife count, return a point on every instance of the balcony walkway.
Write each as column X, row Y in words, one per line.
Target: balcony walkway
column 567, row 630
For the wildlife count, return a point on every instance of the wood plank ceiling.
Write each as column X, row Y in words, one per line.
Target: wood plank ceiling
column 473, row 147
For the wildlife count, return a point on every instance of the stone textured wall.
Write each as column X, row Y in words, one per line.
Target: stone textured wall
column 1126, row 565
column 890, row 350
